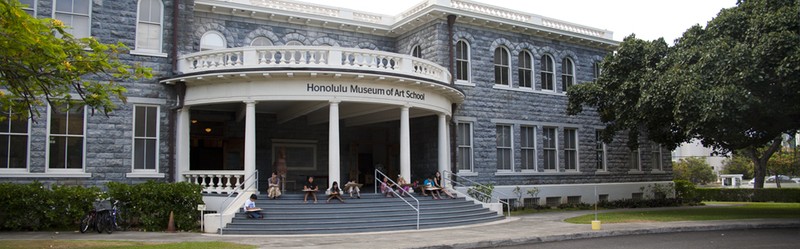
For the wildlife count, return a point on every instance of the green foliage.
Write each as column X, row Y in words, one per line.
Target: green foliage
column 481, row 193
column 659, row 191
column 685, row 190
column 749, row 195
column 643, row 203
column 693, row 169
column 738, row 164
column 42, row 62
column 150, row 203
column 34, row 207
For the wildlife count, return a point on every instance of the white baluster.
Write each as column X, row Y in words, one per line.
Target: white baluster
column 219, row 184
column 203, row 183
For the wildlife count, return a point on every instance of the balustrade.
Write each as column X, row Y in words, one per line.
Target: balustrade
column 218, row 182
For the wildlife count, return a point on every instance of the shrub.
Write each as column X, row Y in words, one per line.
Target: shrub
column 645, row 203
column 481, row 193
column 150, row 203
column 749, row 195
column 34, row 207
column 693, row 169
column 685, row 190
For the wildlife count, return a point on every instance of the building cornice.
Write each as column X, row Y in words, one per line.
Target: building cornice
column 426, row 12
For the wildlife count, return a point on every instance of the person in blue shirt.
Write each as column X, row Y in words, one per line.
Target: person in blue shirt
column 429, row 186
column 250, row 208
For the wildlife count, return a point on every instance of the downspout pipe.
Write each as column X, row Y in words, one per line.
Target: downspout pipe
column 180, row 90
column 451, row 20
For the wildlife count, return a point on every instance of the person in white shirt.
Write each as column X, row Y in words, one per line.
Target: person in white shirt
column 250, row 208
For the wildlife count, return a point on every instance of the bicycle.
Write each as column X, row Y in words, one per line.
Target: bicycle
column 97, row 218
column 118, row 217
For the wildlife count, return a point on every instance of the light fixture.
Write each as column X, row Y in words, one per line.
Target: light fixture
column 194, row 121
column 208, row 130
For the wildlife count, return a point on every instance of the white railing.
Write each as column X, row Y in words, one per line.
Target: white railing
column 448, row 176
column 297, row 7
column 491, row 10
column 556, row 24
column 241, row 188
column 305, row 56
column 215, row 181
column 379, row 181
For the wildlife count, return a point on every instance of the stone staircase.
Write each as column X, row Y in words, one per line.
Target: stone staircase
column 371, row 213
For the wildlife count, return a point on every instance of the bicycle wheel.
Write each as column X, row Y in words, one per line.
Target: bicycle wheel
column 123, row 224
column 109, row 220
column 99, row 222
column 86, row 222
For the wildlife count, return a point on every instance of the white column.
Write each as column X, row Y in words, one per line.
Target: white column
column 405, row 145
column 250, row 143
column 333, row 144
column 182, row 138
column 443, row 144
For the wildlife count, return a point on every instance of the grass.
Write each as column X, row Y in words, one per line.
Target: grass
column 733, row 211
column 116, row 244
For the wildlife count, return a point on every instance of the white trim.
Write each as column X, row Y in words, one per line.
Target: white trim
column 147, row 101
column 603, row 149
column 64, row 174
column 552, row 72
column 27, row 148
column 89, row 15
column 213, row 32
column 534, row 148
column 148, row 53
column 464, row 83
column 532, row 72
column 577, row 147
column 59, row 171
column 505, row 51
column 537, row 173
column 471, row 124
column 555, row 148
column 572, row 66
column 157, row 137
column 33, row 8
column 639, row 163
column 511, row 129
column 144, row 175
column 468, row 60
column 158, row 52
column 467, row 173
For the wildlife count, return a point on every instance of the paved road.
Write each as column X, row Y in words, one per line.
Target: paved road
column 726, row 239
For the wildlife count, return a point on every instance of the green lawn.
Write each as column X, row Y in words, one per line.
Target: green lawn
column 752, row 210
column 115, row 244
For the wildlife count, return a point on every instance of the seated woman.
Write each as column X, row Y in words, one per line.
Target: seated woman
column 428, row 187
column 402, row 186
column 352, row 187
column 335, row 192
column 386, row 187
column 437, row 182
column 274, row 186
column 311, row 189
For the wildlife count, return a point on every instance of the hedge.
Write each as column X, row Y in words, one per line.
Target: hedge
column 748, row 195
column 32, row 207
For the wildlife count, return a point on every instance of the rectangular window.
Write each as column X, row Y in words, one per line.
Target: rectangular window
column 525, row 70
column 567, row 74
column 504, row 147
column 633, row 161
column 549, row 147
column 655, row 158
column 464, row 141
column 145, row 138
column 600, row 150
column 148, row 29
column 528, row 147
column 570, row 149
column 66, row 137
column 31, row 9
column 76, row 15
column 13, row 142
column 595, row 71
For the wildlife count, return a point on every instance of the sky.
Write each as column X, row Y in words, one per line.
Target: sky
column 648, row 19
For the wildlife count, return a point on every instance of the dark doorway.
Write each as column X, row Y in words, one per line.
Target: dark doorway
column 366, row 168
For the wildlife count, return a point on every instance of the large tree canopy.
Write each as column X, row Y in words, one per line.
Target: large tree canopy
column 41, row 62
column 734, row 84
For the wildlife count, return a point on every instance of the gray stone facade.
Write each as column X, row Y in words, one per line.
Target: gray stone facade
column 108, row 155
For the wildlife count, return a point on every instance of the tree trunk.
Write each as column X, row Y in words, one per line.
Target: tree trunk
column 760, row 161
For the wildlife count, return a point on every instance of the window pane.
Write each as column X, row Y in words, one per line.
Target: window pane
column 138, row 153
column 75, row 121
column 58, row 120
column 18, row 151
column 4, row 151
column 152, row 117
column 74, row 152
column 58, row 151
column 261, row 41
column 150, row 158
column 81, row 6
column 144, row 10
column 155, row 11
column 64, row 5
column 18, row 125
column 80, row 26
column 139, row 127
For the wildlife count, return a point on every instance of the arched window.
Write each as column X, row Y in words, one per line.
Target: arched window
column 596, row 71
column 294, row 43
column 416, row 51
column 525, row 69
column 261, row 41
column 212, row 40
column 567, row 74
column 501, row 62
column 547, row 73
column 148, row 25
column 462, row 60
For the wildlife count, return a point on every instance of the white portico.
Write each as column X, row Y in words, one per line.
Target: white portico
column 330, row 85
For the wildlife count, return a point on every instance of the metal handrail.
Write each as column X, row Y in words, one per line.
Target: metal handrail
column 240, row 186
column 447, row 173
column 398, row 195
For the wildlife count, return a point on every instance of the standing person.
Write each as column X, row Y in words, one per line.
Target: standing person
column 335, row 192
column 280, row 166
column 402, row 186
column 352, row 187
column 386, row 187
column 437, row 182
column 311, row 189
column 250, row 208
column 274, row 186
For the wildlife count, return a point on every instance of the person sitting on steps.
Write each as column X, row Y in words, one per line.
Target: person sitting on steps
column 274, row 186
column 250, row 208
column 352, row 187
column 386, row 187
column 311, row 188
column 335, row 192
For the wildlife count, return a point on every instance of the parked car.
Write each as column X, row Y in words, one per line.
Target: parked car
column 796, row 179
column 783, row 178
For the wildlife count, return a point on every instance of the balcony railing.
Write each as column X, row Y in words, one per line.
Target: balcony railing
column 215, row 181
column 311, row 56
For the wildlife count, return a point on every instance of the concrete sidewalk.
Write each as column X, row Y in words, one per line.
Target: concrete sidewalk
column 526, row 229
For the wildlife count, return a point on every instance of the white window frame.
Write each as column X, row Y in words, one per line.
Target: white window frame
column 212, row 32
column 575, row 149
column 294, row 43
column 600, row 148
column 416, row 51
column 509, row 148
column 89, row 15
column 151, row 52
column 27, row 135
column 554, row 148
column 596, row 71
column 544, row 71
column 656, row 157
column 505, row 64
column 523, row 148
column 48, row 169
column 567, row 74
column 146, row 172
column 470, row 146
column 638, row 161
column 252, row 43
column 525, row 70
column 32, row 7
column 468, row 73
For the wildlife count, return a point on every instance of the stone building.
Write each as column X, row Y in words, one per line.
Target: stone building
column 447, row 85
